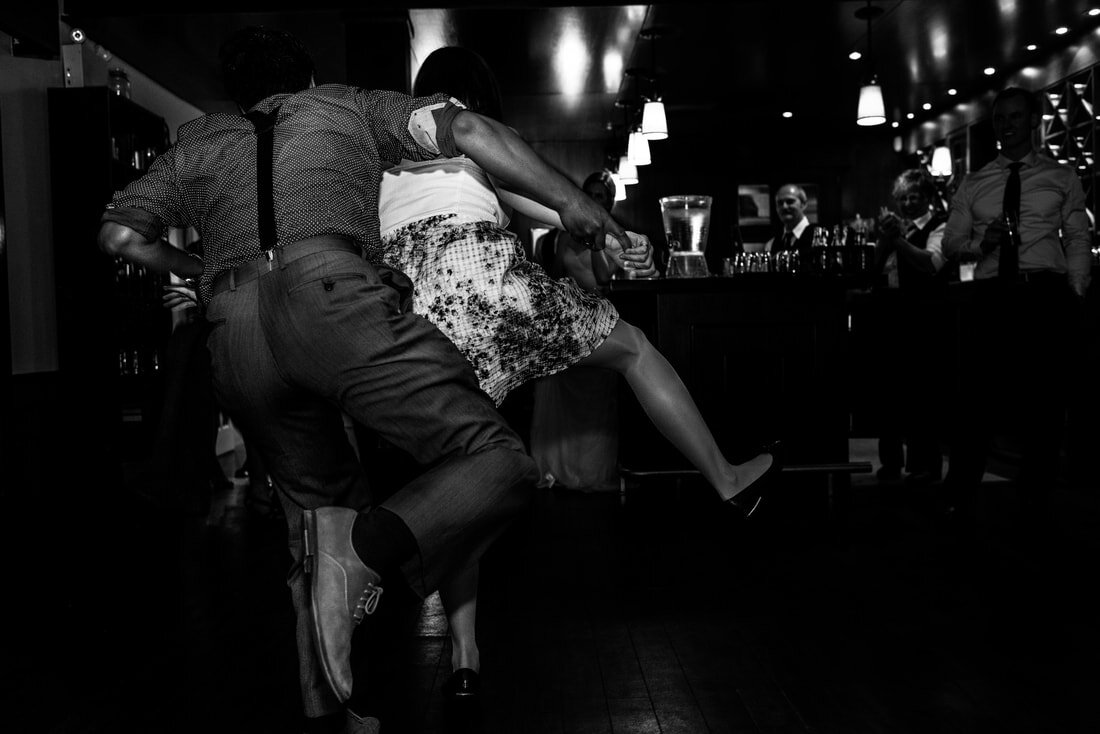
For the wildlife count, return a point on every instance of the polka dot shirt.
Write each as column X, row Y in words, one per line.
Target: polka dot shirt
column 331, row 144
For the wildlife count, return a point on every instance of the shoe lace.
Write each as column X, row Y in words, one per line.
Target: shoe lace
column 368, row 602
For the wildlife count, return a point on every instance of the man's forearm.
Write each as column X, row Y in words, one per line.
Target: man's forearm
column 158, row 256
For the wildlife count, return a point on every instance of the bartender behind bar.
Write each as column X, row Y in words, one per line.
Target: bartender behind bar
column 797, row 234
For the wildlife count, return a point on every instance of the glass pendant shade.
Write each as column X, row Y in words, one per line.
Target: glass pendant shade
column 637, row 149
column 620, row 189
column 872, row 111
column 654, row 125
column 628, row 172
column 941, row 162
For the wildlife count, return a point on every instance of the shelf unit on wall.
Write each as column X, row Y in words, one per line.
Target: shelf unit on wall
column 112, row 326
column 1069, row 130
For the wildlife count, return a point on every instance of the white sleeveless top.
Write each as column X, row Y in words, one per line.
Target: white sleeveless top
column 415, row 190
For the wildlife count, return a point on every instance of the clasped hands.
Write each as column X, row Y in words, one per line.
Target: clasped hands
column 890, row 226
column 638, row 258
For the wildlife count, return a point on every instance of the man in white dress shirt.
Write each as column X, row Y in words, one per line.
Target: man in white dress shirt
column 1024, row 332
column 790, row 204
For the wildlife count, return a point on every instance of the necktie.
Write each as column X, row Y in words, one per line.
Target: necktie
column 910, row 230
column 788, row 240
column 1008, row 259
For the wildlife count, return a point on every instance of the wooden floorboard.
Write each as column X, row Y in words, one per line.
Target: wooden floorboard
column 663, row 614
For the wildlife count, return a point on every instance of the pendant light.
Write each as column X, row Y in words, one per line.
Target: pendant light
column 628, row 172
column 872, row 110
column 654, row 122
column 620, row 189
column 637, row 150
column 941, row 162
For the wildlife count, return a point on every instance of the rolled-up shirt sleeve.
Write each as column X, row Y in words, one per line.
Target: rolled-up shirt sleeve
column 412, row 128
column 150, row 203
column 934, row 246
column 1076, row 241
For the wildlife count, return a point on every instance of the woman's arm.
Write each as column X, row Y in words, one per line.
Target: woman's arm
column 504, row 154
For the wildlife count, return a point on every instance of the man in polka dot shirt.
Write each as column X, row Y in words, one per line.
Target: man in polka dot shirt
column 308, row 330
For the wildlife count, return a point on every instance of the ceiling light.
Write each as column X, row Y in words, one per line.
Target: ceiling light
column 855, row 56
column 909, row 115
column 941, row 162
column 871, row 110
column 1061, row 30
column 952, row 91
column 654, row 125
column 895, row 123
column 1094, row 11
column 620, row 189
column 989, row 71
column 637, row 149
column 788, row 114
column 1031, row 47
column 926, row 106
column 628, row 172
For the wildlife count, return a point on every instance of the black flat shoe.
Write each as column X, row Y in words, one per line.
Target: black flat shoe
column 748, row 500
column 463, row 685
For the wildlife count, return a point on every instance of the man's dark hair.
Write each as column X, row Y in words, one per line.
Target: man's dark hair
column 1013, row 92
column 258, row 62
column 464, row 75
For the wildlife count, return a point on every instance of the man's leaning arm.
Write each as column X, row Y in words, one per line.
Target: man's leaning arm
column 118, row 240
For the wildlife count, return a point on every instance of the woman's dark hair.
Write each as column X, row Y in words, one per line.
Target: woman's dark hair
column 603, row 178
column 464, row 75
column 257, row 62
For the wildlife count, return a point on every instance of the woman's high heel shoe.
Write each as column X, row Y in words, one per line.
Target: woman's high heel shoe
column 748, row 500
column 463, row 685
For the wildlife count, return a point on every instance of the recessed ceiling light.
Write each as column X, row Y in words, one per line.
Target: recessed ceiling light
column 855, row 56
column 895, row 123
column 909, row 115
column 1031, row 47
column 952, row 91
column 989, row 71
column 926, row 106
column 1061, row 30
column 1094, row 11
column 788, row 115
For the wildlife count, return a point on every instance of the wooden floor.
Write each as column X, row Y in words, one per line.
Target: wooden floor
column 662, row 614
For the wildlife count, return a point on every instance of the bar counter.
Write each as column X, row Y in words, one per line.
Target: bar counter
column 764, row 355
column 803, row 359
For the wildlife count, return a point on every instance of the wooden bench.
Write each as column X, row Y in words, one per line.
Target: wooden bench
column 830, row 470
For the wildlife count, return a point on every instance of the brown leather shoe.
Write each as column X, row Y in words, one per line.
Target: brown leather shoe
column 344, row 590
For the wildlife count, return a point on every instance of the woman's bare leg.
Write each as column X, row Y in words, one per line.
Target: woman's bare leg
column 459, row 597
column 667, row 402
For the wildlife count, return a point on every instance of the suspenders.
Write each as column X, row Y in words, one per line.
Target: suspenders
column 265, row 198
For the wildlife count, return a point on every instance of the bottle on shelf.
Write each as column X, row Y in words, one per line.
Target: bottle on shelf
column 118, row 81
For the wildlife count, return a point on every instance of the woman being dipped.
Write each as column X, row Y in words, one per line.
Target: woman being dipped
column 443, row 225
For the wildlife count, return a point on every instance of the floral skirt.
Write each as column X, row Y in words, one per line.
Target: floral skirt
column 513, row 322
